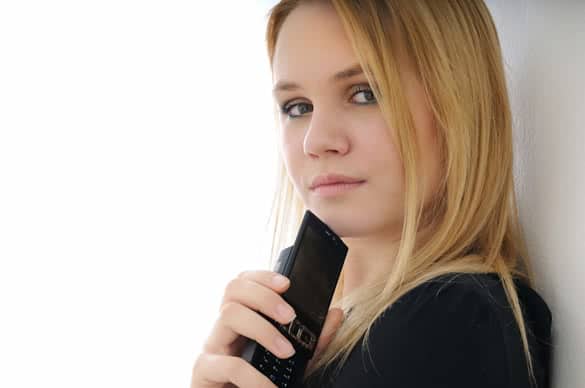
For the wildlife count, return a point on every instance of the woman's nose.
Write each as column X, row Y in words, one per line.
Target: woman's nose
column 326, row 134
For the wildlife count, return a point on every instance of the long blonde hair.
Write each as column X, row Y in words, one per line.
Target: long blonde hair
column 455, row 49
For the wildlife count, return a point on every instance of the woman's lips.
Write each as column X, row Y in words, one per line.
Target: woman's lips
column 335, row 189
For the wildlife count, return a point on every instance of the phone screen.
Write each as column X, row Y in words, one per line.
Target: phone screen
column 313, row 276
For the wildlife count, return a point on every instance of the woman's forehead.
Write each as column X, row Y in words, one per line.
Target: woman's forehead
column 312, row 46
column 311, row 35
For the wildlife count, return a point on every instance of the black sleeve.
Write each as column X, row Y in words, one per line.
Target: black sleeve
column 451, row 339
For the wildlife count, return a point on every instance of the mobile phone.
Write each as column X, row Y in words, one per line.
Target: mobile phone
column 313, row 265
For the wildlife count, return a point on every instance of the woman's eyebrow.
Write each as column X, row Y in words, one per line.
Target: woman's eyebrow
column 351, row 71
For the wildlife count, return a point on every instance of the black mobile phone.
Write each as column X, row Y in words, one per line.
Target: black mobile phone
column 313, row 265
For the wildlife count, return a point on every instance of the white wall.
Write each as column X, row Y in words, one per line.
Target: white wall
column 136, row 155
column 544, row 47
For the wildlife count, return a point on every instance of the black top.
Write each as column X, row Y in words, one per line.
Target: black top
column 456, row 330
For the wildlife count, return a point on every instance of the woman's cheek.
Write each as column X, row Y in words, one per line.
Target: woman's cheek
column 292, row 165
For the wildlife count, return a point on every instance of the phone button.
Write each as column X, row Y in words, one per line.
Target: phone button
column 295, row 328
column 302, row 334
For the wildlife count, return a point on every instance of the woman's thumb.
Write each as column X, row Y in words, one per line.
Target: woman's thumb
column 332, row 323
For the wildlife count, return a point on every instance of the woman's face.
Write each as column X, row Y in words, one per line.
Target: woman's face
column 336, row 126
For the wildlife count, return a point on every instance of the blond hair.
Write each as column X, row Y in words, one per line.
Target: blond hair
column 454, row 47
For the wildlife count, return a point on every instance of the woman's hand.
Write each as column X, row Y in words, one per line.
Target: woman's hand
column 220, row 364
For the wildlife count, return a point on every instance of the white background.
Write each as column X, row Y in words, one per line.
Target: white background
column 544, row 51
column 136, row 174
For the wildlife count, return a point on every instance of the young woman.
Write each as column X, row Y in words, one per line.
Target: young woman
column 405, row 103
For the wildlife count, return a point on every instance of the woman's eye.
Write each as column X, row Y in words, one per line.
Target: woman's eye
column 367, row 92
column 297, row 110
column 300, row 107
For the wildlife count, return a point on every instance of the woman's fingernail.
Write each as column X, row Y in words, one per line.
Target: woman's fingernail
column 286, row 349
column 285, row 312
column 279, row 280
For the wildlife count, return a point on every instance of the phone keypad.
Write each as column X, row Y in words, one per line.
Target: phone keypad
column 279, row 371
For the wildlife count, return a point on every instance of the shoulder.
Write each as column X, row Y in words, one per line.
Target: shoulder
column 460, row 300
column 454, row 330
column 442, row 296
column 467, row 295
column 442, row 332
